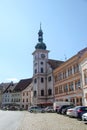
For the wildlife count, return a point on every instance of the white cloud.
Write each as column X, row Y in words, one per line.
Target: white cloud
column 11, row 79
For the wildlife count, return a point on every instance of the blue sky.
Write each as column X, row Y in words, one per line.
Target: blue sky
column 64, row 24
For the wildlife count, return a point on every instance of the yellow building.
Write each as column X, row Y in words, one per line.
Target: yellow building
column 68, row 79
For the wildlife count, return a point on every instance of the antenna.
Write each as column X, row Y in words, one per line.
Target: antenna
column 65, row 57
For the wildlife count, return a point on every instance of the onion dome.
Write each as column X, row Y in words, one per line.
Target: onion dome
column 40, row 44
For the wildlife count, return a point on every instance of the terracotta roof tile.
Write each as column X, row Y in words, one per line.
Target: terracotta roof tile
column 55, row 63
column 22, row 85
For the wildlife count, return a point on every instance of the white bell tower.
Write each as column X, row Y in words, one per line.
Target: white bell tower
column 40, row 59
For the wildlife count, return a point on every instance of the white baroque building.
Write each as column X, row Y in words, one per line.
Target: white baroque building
column 43, row 92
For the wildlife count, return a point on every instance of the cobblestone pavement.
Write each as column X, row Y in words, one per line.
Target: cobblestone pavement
column 50, row 121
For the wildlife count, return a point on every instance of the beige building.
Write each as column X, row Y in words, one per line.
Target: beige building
column 68, row 79
column 26, row 95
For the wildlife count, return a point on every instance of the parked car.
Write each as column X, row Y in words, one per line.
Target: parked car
column 65, row 109
column 84, row 117
column 49, row 109
column 57, row 104
column 59, row 110
column 73, row 111
column 80, row 111
column 36, row 109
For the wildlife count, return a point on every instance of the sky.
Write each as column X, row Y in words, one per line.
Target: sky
column 64, row 25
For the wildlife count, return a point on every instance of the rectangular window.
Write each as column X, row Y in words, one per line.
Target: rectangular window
column 42, row 80
column 85, row 76
column 42, row 92
column 65, row 88
column 49, row 92
column 35, row 93
column 71, row 86
column 76, row 68
column 41, row 70
column 27, row 100
column 35, row 80
column 49, row 78
column 60, row 89
column 35, row 71
column 77, row 84
column 56, row 90
column 27, row 93
column 64, row 75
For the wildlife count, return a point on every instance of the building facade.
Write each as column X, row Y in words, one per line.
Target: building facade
column 68, row 79
column 15, row 94
column 83, row 68
column 43, row 92
column 26, row 96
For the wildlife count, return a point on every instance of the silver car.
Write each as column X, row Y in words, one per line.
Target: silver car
column 49, row 109
column 36, row 109
column 72, row 112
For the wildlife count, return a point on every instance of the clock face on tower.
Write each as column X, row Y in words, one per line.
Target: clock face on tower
column 42, row 55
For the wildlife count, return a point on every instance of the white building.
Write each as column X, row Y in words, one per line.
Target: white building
column 43, row 92
column 83, row 67
column 13, row 93
column 7, row 94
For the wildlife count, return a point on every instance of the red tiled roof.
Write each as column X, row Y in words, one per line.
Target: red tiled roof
column 22, row 85
column 55, row 63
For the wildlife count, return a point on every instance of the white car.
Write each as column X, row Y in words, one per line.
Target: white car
column 84, row 117
column 72, row 112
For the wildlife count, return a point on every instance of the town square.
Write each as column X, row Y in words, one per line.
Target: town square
column 43, row 65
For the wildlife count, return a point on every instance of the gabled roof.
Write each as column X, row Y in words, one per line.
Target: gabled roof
column 22, row 85
column 10, row 87
column 4, row 86
column 54, row 63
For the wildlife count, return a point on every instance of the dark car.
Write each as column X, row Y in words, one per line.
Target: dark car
column 59, row 110
column 80, row 111
column 65, row 109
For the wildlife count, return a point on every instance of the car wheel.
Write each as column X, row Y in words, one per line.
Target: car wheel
column 31, row 111
column 42, row 111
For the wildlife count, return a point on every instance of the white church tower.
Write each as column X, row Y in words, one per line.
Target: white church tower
column 40, row 68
